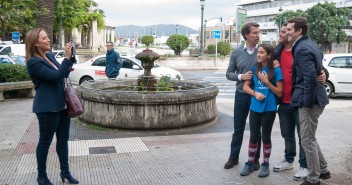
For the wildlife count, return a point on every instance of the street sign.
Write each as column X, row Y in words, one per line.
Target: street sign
column 216, row 34
column 16, row 36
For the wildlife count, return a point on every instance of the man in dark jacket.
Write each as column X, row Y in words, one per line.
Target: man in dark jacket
column 113, row 61
column 288, row 115
column 308, row 95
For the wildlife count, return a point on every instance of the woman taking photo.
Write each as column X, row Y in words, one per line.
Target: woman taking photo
column 267, row 83
column 49, row 102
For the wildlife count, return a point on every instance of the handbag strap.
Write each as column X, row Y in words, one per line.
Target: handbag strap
column 67, row 82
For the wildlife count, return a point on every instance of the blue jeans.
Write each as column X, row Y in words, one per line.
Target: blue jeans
column 49, row 123
column 289, row 119
column 241, row 110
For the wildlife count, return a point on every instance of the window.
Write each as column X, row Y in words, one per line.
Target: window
column 127, row 63
column 61, row 55
column 5, row 61
column 6, row 51
column 100, row 62
column 341, row 62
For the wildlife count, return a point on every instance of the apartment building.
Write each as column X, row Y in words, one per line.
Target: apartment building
column 264, row 11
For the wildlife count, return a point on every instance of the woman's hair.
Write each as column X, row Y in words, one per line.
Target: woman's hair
column 31, row 42
column 270, row 64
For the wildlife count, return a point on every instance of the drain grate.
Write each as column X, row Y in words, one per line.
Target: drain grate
column 102, row 150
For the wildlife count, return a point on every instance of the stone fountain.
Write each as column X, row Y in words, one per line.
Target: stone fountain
column 119, row 103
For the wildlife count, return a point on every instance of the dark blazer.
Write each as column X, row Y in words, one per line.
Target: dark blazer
column 49, row 83
column 307, row 65
column 278, row 51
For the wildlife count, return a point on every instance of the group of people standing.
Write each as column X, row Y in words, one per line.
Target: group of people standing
column 290, row 75
column 288, row 79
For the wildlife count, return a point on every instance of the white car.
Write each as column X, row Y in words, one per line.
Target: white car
column 60, row 55
column 339, row 67
column 94, row 69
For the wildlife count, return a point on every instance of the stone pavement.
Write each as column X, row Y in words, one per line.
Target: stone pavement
column 193, row 155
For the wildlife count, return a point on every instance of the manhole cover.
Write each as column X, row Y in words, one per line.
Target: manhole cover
column 102, row 150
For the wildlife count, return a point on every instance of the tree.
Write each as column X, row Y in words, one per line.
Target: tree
column 46, row 21
column 178, row 43
column 224, row 48
column 76, row 15
column 147, row 40
column 16, row 15
column 326, row 23
column 280, row 19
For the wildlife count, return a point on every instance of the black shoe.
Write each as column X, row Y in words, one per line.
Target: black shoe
column 68, row 177
column 44, row 181
column 230, row 163
column 324, row 176
column 256, row 165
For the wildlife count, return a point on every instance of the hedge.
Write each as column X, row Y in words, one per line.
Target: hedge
column 13, row 73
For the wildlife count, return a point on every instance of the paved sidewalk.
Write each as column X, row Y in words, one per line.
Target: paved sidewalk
column 194, row 155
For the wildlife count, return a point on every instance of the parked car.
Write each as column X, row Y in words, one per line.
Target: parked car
column 13, row 49
column 5, row 59
column 339, row 67
column 60, row 55
column 20, row 60
column 94, row 69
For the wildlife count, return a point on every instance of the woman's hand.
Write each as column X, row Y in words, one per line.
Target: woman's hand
column 263, row 76
column 68, row 51
column 259, row 96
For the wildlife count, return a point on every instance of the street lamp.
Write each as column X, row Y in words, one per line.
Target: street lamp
column 202, row 3
column 280, row 18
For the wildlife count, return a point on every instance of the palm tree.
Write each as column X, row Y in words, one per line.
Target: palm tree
column 46, row 21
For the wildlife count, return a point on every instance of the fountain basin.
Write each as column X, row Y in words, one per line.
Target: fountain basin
column 115, row 103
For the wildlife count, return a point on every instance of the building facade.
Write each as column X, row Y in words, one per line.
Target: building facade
column 264, row 11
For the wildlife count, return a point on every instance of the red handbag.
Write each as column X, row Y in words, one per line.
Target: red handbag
column 73, row 101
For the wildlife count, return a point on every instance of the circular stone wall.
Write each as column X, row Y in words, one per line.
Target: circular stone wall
column 114, row 103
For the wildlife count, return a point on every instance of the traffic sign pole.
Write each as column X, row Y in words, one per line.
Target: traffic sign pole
column 216, row 51
column 216, row 36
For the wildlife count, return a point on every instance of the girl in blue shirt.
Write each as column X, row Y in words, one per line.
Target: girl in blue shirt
column 267, row 83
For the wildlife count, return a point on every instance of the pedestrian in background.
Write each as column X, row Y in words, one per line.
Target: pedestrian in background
column 113, row 61
column 267, row 84
column 49, row 102
column 308, row 95
column 242, row 59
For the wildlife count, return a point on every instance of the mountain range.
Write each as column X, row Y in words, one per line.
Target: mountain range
column 159, row 30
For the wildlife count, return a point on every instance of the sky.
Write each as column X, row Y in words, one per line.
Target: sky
column 150, row 12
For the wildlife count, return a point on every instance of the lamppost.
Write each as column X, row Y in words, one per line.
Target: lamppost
column 280, row 18
column 202, row 3
column 176, row 28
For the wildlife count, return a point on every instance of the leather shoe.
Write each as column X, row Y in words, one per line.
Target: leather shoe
column 308, row 183
column 256, row 165
column 231, row 163
column 324, row 176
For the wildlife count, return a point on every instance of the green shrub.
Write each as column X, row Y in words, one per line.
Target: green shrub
column 13, row 73
column 147, row 40
column 178, row 43
column 211, row 49
column 224, row 48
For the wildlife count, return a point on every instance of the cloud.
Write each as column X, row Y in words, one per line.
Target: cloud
column 145, row 13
